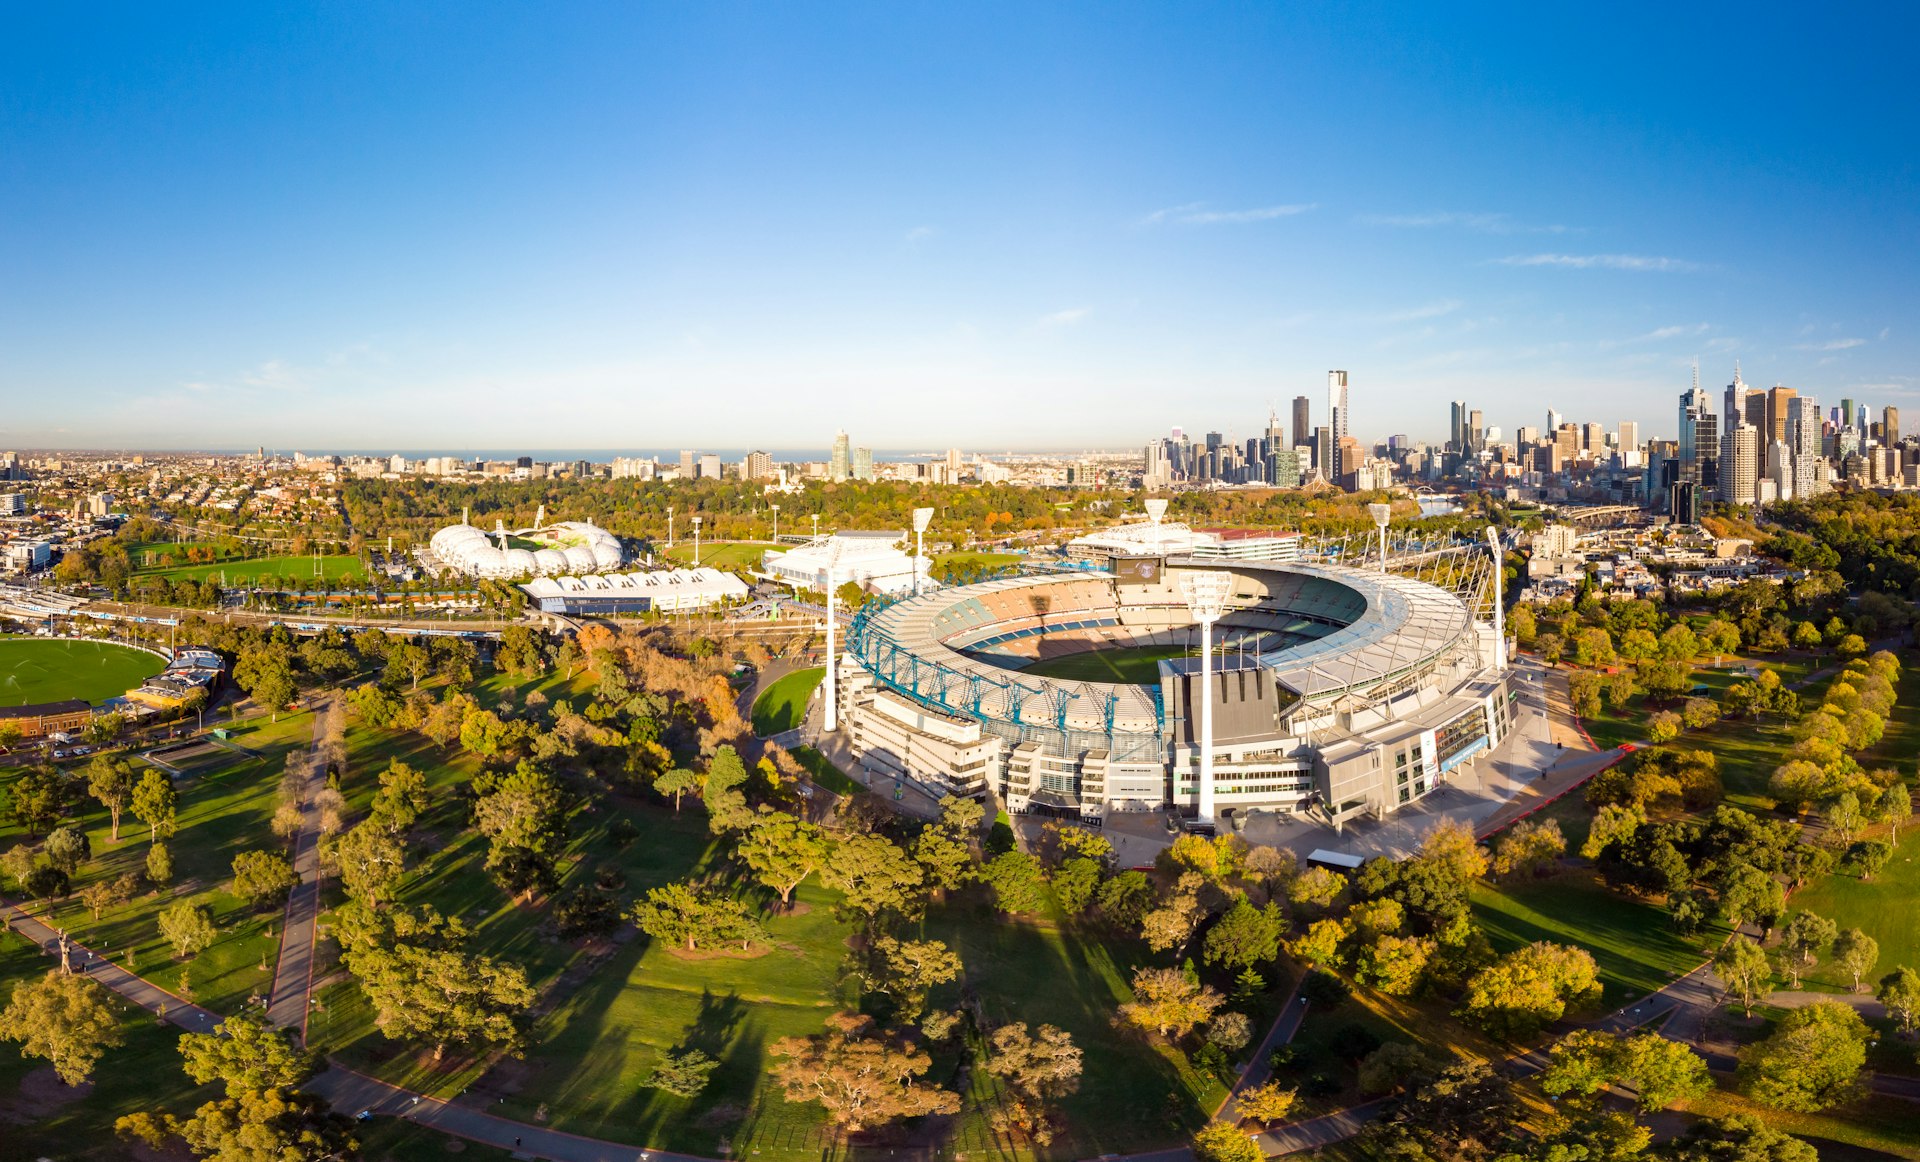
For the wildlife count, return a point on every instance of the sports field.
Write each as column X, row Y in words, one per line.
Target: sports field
column 724, row 555
column 334, row 568
column 1137, row 666
column 34, row 670
column 783, row 705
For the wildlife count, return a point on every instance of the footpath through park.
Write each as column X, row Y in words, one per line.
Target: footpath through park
column 293, row 973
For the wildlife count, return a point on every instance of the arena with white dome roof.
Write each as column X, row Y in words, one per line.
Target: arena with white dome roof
column 1338, row 687
column 563, row 549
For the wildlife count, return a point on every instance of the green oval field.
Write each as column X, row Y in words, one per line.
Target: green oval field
column 783, row 705
column 34, row 670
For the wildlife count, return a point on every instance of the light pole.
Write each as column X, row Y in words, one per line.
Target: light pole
column 776, row 524
column 816, row 526
column 1499, row 613
column 696, row 542
column 1205, row 592
column 921, row 518
column 669, row 526
column 832, row 702
column 1381, row 513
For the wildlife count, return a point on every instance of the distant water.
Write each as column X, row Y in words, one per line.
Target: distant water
column 1438, row 506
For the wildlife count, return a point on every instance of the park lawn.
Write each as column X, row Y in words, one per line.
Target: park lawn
column 824, row 772
column 1139, row 665
column 1134, row 1094
column 333, row 567
column 34, row 670
column 971, row 560
column 1881, row 907
column 1886, row 1124
column 1633, row 942
column 726, row 555
column 41, row 1118
column 223, row 812
column 783, row 705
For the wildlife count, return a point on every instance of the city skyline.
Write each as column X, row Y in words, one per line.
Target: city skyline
column 225, row 230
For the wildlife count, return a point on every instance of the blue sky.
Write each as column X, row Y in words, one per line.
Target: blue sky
column 1014, row 225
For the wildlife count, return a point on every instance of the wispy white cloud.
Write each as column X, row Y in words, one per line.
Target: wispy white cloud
column 1831, row 345
column 1196, row 214
column 1066, row 318
column 920, row 234
column 1675, row 332
column 1433, row 310
column 1637, row 262
column 1480, row 223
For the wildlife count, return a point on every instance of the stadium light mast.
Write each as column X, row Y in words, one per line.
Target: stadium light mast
column 1156, row 510
column 832, row 703
column 1382, row 513
column 922, row 517
column 1205, row 592
column 776, row 523
column 669, row 526
column 696, row 542
column 1499, row 610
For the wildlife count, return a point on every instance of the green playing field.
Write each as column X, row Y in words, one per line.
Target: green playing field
column 34, row 670
column 1136, row 667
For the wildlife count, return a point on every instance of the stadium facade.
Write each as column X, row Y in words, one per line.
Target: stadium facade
column 1339, row 689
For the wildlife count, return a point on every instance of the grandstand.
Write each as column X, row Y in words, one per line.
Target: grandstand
column 1339, row 689
column 664, row 591
column 569, row 547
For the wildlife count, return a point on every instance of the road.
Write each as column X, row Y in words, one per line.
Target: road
column 293, row 975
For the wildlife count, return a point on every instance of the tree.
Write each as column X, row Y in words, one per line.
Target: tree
column 1663, row 1072
column 783, row 851
column 1451, row 845
column 1038, row 1067
column 1394, row 965
column 69, row 1020
column 188, row 927
column 524, row 818
column 1168, row 1003
column 434, row 991
column 1529, row 848
column 402, row 797
column 1895, row 806
column 676, row 782
column 1018, row 887
column 873, row 875
column 1075, row 882
column 263, row 878
column 1739, row 1138
column 1867, row 857
column 1392, row 1065
column 369, row 860
column 1246, row 936
column 1530, row 988
column 67, row 848
column 36, row 798
column 1899, row 991
column 248, row 1054
column 156, row 803
column 279, row 1124
column 1612, row 823
column 1224, row 1142
column 105, row 893
column 1856, row 953
column 1814, row 1060
column 1804, row 937
column 907, row 970
column 1663, row 726
column 1743, row 969
column 159, row 865
column 682, row 1073
column 110, row 781
column 859, row 1076
column 1265, row 1104
column 944, row 849
column 676, row 913
column 1464, row 1114
column 1749, row 894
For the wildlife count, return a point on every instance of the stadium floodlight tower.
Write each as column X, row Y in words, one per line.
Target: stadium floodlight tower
column 696, row 541
column 1205, row 592
column 1156, row 510
column 1499, row 612
column 831, row 706
column 1381, row 513
column 922, row 517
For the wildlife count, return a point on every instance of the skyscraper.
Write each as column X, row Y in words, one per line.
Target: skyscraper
column 1779, row 409
column 1699, row 440
column 1271, row 447
column 862, row 467
column 1457, row 434
column 1629, row 435
column 1337, row 422
column 840, row 460
column 1476, row 431
column 1302, row 421
column 1740, row 465
column 1804, row 431
column 1890, row 420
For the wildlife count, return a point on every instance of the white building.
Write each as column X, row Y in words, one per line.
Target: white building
column 663, row 591
column 1173, row 539
column 872, row 560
